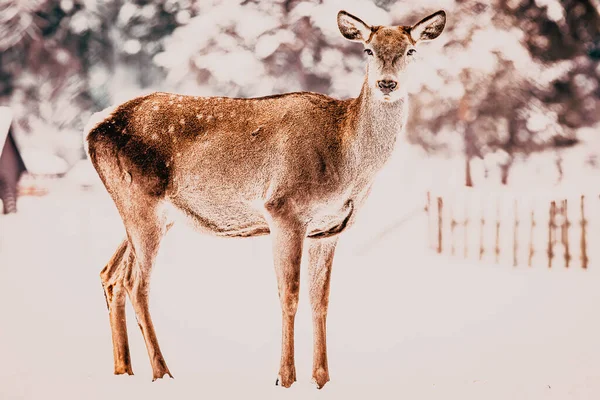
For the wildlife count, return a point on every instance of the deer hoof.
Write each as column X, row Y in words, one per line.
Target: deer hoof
column 287, row 376
column 161, row 375
column 320, row 378
column 123, row 371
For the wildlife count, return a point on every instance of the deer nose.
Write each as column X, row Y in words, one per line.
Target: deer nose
column 387, row 86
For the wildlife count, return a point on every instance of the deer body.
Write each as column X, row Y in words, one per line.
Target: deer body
column 220, row 165
column 297, row 166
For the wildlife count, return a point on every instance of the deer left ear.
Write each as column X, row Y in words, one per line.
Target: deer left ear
column 429, row 27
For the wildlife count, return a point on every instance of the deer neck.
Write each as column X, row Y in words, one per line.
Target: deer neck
column 377, row 125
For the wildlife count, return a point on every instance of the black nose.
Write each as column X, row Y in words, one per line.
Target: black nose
column 387, row 86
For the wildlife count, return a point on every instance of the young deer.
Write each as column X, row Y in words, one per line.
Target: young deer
column 296, row 166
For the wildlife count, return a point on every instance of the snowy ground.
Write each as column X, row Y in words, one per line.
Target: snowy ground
column 403, row 323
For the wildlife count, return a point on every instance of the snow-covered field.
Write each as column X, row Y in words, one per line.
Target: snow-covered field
column 403, row 322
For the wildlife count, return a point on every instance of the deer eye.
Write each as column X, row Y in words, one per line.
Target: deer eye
column 411, row 52
column 369, row 52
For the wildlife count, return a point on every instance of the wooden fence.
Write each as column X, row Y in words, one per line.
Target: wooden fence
column 543, row 228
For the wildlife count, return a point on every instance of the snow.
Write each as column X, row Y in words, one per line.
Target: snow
column 126, row 13
column 132, row 46
column 403, row 322
column 268, row 44
column 553, row 8
column 240, row 67
column 41, row 162
column 83, row 174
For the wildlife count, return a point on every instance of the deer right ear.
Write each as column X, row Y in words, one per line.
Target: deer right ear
column 353, row 28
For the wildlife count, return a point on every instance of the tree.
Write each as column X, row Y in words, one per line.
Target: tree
column 61, row 60
column 513, row 78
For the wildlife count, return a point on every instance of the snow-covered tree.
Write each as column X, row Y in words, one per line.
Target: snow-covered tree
column 507, row 78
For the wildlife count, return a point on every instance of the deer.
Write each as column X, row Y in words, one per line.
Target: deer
column 295, row 166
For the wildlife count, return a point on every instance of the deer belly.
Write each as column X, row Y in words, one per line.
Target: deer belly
column 241, row 220
column 331, row 223
column 234, row 219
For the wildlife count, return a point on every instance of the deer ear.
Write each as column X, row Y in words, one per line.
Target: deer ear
column 429, row 27
column 353, row 28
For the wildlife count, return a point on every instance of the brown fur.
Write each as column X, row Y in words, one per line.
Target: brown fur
column 296, row 166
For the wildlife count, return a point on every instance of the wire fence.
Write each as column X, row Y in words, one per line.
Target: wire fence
column 553, row 229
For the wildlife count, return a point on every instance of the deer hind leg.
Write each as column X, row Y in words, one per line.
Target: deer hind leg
column 288, row 237
column 112, row 283
column 145, row 233
column 320, row 258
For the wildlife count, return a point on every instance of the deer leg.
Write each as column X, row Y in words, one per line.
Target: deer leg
column 320, row 258
column 288, row 237
column 145, row 239
column 112, row 283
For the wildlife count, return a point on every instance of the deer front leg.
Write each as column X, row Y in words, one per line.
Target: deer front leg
column 320, row 257
column 288, row 237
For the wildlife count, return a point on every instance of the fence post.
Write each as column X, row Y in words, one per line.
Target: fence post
column 531, row 232
column 584, row 257
column 440, row 204
column 551, row 233
column 564, row 231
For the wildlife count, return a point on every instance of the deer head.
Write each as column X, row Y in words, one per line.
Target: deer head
column 390, row 49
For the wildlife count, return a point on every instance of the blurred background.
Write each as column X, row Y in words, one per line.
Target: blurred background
column 474, row 262
column 511, row 84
